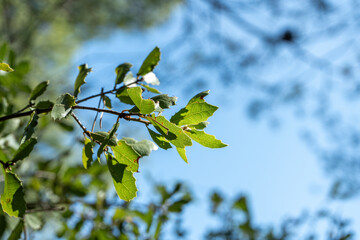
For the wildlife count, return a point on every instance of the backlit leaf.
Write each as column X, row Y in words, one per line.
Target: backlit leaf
column 160, row 140
column 108, row 140
column 5, row 67
column 125, row 154
column 121, row 71
column 205, row 139
column 150, row 62
column 63, row 106
column 80, row 79
column 199, row 126
column 12, row 199
column 143, row 147
column 38, row 90
column 101, row 137
column 182, row 153
column 150, row 89
column 123, row 95
column 123, row 179
column 164, row 100
column 145, row 106
column 87, row 153
column 150, row 78
column 195, row 112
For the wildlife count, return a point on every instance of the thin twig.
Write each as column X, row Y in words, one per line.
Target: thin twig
column 80, row 124
column 97, row 113
column 50, row 209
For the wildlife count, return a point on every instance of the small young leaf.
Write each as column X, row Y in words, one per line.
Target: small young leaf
column 30, row 128
column 108, row 139
column 182, row 153
column 159, row 140
column 12, row 199
column 16, row 233
column 63, row 106
column 87, row 153
column 150, row 89
column 125, row 154
column 101, row 137
column 150, row 78
column 143, row 147
column 195, row 112
column 5, row 67
column 24, row 149
column 123, row 179
column 146, row 106
column 44, row 105
column 205, row 139
column 38, row 90
column 175, row 134
column 150, row 62
column 80, row 79
column 165, row 101
column 121, row 71
column 107, row 101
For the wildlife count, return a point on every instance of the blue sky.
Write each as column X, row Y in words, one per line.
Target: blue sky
column 273, row 167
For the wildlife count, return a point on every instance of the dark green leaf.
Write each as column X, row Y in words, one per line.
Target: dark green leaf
column 107, row 102
column 101, row 137
column 199, row 126
column 241, row 204
column 38, row 90
column 12, row 199
column 125, row 154
column 5, row 67
column 63, row 106
column 159, row 140
column 44, row 105
column 24, row 149
column 123, row 179
column 80, row 79
column 205, row 139
column 150, row 62
column 108, row 139
column 165, row 101
column 195, row 112
column 16, row 233
column 146, row 106
column 150, row 89
column 30, row 128
column 143, row 147
column 87, row 153
column 124, row 97
column 121, row 71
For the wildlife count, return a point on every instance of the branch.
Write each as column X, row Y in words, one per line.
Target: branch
column 23, row 114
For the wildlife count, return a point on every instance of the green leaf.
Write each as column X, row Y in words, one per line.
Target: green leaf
column 87, row 153
column 199, row 126
column 80, row 79
column 101, row 137
column 159, row 140
column 5, row 67
column 150, row 89
column 241, row 204
column 30, row 128
column 107, row 102
column 108, row 139
column 24, row 149
column 16, row 233
column 146, row 106
column 38, row 90
column 205, row 139
column 143, row 147
column 125, row 154
column 123, row 95
column 123, row 179
column 63, row 106
column 175, row 134
column 12, row 199
column 121, row 71
column 195, row 112
column 44, row 105
column 150, row 62
column 182, row 153
column 165, row 101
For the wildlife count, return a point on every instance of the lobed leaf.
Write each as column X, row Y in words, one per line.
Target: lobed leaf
column 195, row 112
column 80, row 79
column 146, row 106
column 175, row 134
column 150, row 62
column 125, row 154
column 205, row 139
column 123, row 95
column 121, row 71
column 12, row 199
column 5, row 67
column 123, row 179
column 38, row 90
